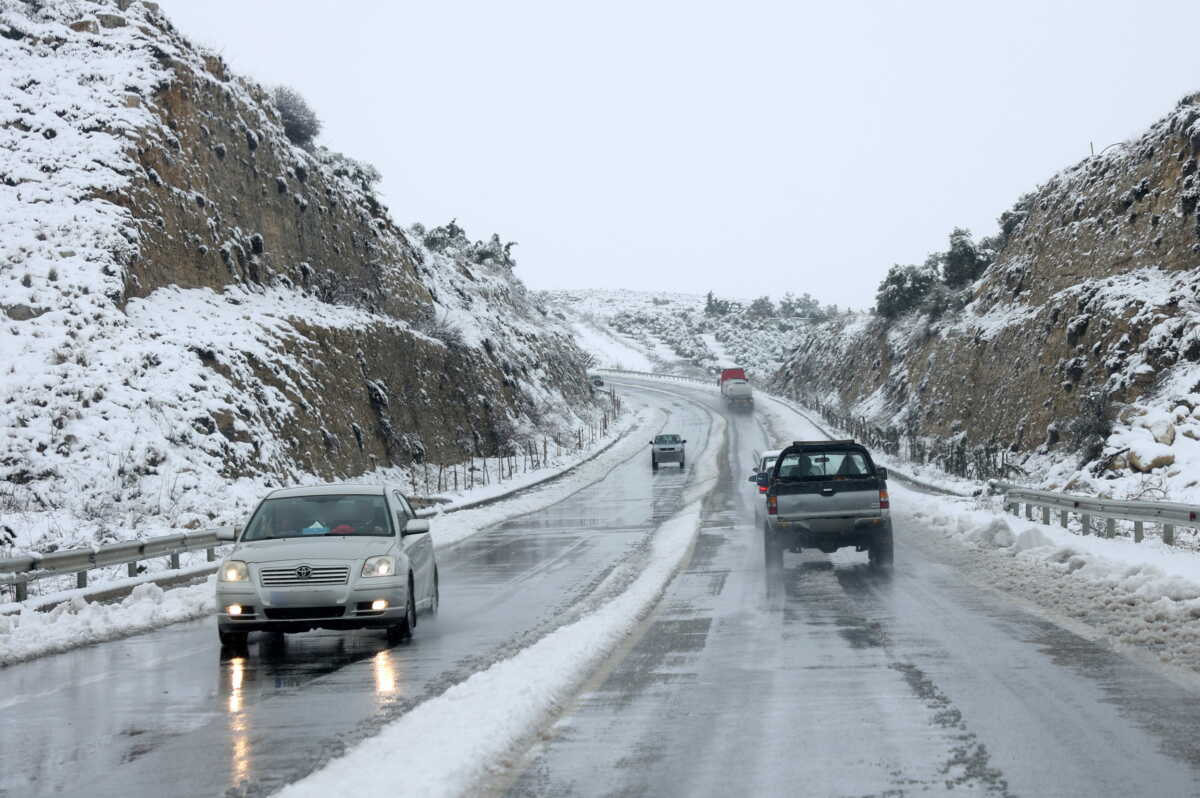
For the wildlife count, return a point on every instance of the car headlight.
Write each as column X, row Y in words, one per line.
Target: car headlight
column 383, row 565
column 234, row 571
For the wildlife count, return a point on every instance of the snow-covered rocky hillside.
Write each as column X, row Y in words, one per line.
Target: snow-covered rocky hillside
column 1076, row 354
column 683, row 333
column 192, row 308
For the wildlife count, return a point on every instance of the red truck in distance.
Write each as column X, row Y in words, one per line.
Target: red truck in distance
column 735, row 387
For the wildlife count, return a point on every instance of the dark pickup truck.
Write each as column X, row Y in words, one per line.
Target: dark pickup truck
column 827, row 495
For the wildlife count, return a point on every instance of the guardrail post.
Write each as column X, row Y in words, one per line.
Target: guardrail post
column 175, row 560
column 1168, row 534
column 1139, row 532
column 1046, row 516
column 22, row 591
column 1110, row 528
column 81, row 579
column 1086, row 521
column 1028, row 511
column 131, row 569
column 1064, row 518
column 211, row 554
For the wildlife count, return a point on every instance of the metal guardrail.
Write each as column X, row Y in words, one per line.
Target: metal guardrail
column 1168, row 515
column 20, row 571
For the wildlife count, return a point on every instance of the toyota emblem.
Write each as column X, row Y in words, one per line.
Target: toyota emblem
column 303, row 572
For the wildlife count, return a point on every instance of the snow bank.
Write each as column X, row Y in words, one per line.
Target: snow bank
column 78, row 622
column 446, row 745
column 1144, row 595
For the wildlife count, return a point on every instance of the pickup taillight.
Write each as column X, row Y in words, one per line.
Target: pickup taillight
column 772, row 505
column 883, row 500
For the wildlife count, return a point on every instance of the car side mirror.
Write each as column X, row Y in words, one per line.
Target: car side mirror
column 416, row 526
column 881, row 472
column 763, row 479
column 753, row 478
column 227, row 533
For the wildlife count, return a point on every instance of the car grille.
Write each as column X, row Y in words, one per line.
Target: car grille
column 303, row 613
column 666, row 450
column 315, row 575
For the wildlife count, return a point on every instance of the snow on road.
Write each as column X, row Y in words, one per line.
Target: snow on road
column 448, row 744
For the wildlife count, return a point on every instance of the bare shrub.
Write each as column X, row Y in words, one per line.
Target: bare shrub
column 300, row 122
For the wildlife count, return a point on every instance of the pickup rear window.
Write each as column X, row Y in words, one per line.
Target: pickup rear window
column 820, row 465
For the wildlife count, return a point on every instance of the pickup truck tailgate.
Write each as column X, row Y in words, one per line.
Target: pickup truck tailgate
column 828, row 499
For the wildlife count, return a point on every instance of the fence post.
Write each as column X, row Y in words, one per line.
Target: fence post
column 1139, row 532
column 1168, row 534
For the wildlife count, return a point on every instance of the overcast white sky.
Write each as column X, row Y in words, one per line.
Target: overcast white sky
column 744, row 148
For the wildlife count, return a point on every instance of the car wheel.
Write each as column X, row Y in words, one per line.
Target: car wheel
column 402, row 631
column 233, row 641
column 681, row 462
column 653, row 464
column 881, row 552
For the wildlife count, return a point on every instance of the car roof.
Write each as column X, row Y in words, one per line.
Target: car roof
column 770, row 453
column 338, row 489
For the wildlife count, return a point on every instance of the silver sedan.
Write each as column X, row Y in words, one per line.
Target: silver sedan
column 331, row 557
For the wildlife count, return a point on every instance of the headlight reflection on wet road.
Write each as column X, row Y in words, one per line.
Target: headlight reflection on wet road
column 384, row 667
column 238, row 725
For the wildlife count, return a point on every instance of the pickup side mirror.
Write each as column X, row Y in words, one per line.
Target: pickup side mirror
column 415, row 526
column 227, row 533
column 881, row 472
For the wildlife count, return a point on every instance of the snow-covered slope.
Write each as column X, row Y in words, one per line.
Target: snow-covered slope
column 193, row 309
column 647, row 331
column 1075, row 358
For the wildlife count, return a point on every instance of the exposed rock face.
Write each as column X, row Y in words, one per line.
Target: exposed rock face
column 1095, row 290
column 188, row 299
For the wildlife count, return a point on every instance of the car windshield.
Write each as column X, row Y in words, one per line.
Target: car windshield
column 803, row 467
column 310, row 516
column 767, row 462
column 666, row 439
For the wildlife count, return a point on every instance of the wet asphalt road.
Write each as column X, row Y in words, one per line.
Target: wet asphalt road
column 831, row 679
column 826, row 679
column 162, row 714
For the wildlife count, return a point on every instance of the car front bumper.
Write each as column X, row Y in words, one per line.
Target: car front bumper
column 298, row 608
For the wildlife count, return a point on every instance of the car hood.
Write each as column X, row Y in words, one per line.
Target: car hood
column 325, row 547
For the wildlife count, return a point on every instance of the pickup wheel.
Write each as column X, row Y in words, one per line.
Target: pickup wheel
column 881, row 552
column 772, row 551
column 653, row 463
column 681, row 462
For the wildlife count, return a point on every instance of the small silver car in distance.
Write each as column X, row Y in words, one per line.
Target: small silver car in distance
column 666, row 449
column 329, row 557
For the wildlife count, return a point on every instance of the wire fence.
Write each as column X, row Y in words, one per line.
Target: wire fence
column 952, row 455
